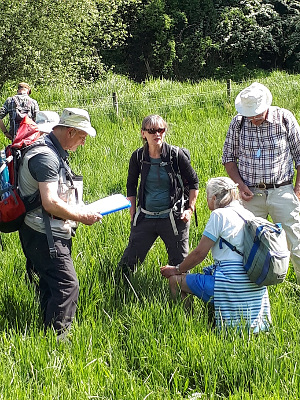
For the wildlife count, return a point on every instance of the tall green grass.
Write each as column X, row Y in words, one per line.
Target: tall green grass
column 133, row 342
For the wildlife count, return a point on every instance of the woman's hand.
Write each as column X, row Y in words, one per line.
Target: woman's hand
column 186, row 215
column 168, row 270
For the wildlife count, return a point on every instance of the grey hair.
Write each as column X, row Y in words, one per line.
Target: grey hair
column 152, row 121
column 224, row 189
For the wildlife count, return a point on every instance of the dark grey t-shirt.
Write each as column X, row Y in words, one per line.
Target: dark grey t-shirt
column 44, row 167
column 41, row 164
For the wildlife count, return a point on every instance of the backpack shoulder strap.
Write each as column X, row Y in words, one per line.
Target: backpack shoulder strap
column 140, row 157
column 16, row 101
column 242, row 122
column 174, row 150
column 233, row 248
column 51, row 145
column 222, row 240
column 25, row 107
column 174, row 156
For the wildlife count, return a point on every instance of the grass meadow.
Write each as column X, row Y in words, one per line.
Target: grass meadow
column 133, row 342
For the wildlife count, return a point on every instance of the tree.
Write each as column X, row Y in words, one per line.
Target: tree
column 244, row 32
column 48, row 41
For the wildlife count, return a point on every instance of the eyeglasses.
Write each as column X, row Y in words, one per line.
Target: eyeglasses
column 80, row 133
column 152, row 131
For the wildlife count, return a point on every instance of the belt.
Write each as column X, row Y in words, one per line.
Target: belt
column 264, row 186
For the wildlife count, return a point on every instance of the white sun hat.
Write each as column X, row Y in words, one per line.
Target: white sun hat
column 77, row 118
column 46, row 120
column 253, row 100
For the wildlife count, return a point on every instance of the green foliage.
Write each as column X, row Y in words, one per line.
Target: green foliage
column 247, row 32
column 151, row 45
column 48, row 41
column 195, row 39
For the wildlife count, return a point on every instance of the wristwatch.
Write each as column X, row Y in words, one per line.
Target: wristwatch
column 177, row 267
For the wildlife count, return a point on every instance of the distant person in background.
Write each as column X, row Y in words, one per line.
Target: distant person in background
column 159, row 211
column 225, row 284
column 17, row 107
column 46, row 120
column 261, row 148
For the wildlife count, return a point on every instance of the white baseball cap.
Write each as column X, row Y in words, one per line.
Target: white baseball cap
column 253, row 100
column 77, row 118
column 46, row 120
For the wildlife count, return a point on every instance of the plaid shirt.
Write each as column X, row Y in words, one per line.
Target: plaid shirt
column 264, row 153
column 9, row 108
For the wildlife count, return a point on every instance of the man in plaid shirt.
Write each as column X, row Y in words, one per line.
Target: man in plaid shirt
column 260, row 150
column 17, row 107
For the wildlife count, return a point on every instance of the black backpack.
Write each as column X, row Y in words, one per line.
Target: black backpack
column 183, row 196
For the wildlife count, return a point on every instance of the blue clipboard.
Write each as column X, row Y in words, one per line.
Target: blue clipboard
column 110, row 204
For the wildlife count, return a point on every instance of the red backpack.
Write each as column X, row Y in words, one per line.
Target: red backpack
column 13, row 207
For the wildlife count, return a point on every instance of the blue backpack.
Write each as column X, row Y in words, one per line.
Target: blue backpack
column 266, row 255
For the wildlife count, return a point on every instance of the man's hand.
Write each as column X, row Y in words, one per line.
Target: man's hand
column 89, row 218
column 245, row 193
column 233, row 172
column 297, row 192
column 8, row 135
column 56, row 206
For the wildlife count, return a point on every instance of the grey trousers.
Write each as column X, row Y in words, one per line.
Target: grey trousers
column 58, row 285
column 144, row 234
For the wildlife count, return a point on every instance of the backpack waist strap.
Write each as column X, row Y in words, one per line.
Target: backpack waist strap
column 169, row 210
column 156, row 212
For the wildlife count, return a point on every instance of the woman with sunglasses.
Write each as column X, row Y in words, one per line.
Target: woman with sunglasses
column 158, row 212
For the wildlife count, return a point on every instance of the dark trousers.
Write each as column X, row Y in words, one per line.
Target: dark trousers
column 58, row 285
column 144, row 234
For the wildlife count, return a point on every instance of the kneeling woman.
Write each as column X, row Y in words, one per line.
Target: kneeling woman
column 226, row 283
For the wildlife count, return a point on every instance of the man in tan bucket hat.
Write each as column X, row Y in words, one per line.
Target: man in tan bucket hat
column 45, row 169
column 261, row 148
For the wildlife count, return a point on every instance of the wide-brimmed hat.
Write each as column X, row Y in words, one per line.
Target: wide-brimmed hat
column 77, row 118
column 46, row 120
column 253, row 100
column 24, row 85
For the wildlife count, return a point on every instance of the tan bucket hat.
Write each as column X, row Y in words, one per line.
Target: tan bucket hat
column 77, row 118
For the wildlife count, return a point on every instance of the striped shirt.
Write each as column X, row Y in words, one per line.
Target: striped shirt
column 237, row 300
column 264, row 153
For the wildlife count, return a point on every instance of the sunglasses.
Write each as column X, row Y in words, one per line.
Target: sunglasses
column 152, row 131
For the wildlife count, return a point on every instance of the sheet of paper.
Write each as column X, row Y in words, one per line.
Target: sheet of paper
column 110, row 204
